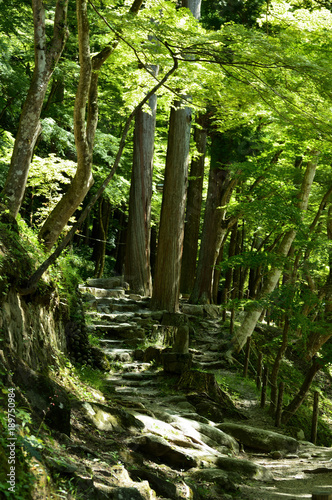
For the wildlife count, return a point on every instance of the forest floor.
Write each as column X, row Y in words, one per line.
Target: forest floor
column 107, row 449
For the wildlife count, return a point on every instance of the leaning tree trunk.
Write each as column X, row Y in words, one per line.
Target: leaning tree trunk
column 193, row 211
column 47, row 55
column 295, row 404
column 137, row 260
column 252, row 315
column 86, row 96
column 166, row 287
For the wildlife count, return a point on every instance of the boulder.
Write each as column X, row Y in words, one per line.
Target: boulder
column 133, row 493
column 209, row 434
column 244, row 468
column 162, row 487
column 107, row 283
column 217, row 476
column 260, row 439
column 158, row 447
column 110, row 419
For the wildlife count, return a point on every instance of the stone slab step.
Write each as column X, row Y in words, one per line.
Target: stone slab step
column 113, row 328
column 102, row 292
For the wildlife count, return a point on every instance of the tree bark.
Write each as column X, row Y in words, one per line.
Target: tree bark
column 137, row 261
column 295, row 404
column 169, row 252
column 166, row 289
column 252, row 315
column 29, row 125
column 219, row 192
column 193, row 211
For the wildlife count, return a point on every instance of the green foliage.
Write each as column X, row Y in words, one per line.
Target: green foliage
column 48, row 178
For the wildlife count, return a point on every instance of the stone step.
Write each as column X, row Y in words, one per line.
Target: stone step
column 143, row 392
column 111, row 344
column 115, row 328
column 102, row 292
column 112, row 282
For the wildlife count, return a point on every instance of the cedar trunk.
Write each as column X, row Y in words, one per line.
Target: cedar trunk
column 137, row 262
column 193, row 213
column 219, row 191
column 169, row 252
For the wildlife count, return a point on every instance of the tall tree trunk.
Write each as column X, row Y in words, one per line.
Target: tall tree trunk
column 47, row 55
column 166, row 287
column 193, row 211
column 252, row 315
column 137, row 262
column 219, row 192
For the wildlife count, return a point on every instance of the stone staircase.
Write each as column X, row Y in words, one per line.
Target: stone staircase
column 179, row 431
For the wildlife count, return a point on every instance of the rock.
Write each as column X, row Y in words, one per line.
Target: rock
column 209, row 434
column 47, row 398
column 131, row 493
column 107, row 283
column 135, row 296
column 212, row 311
column 193, row 309
column 276, row 455
column 174, row 362
column 161, row 486
column 152, row 354
column 217, row 476
column 158, row 447
column 138, row 354
column 244, row 468
column 110, row 419
column 260, row 439
column 59, row 465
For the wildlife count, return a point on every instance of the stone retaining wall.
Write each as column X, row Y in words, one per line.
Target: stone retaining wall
column 33, row 331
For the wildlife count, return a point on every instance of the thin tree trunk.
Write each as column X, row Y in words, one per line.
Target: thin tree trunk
column 137, row 261
column 252, row 315
column 47, row 55
column 276, row 366
column 295, row 404
column 193, row 211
